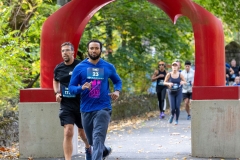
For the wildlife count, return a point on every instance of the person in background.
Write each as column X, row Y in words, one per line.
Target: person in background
column 236, row 72
column 174, row 80
column 227, row 66
column 188, row 74
column 159, row 76
column 236, row 81
column 91, row 79
column 69, row 103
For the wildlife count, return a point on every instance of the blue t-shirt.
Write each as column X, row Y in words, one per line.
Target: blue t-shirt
column 97, row 98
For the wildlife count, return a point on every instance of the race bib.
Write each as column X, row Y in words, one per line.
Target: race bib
column 189, row 83
column 66, row 93
column 95, row 73
column 175, row 87
column 160, row 83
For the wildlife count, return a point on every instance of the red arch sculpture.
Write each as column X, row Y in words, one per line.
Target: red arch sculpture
column 68, row 23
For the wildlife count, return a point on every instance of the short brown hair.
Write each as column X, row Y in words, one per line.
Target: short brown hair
column 68, row 44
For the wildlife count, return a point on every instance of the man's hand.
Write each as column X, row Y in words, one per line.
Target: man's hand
column 114, row 95
column 87, row 85
column 58, row 97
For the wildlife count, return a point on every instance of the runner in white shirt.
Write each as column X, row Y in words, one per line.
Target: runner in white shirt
column 188, row 74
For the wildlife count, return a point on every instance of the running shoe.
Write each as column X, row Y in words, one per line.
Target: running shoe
column 170, row 119
column 88, row 153
column 163, row 115
column 176, row 122
column 160, row 115
column 107, row 152
column 189, row 117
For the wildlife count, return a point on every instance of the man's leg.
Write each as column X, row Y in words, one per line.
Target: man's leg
column 83, row 137
column 187, row 106
column 67, row 141
column 87, row 123
column 101, row 121
column 88, row 149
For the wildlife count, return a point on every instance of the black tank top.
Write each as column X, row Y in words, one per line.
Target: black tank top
column 161, row 78
column 160, row 81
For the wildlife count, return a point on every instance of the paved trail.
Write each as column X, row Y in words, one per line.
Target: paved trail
column 154, row 139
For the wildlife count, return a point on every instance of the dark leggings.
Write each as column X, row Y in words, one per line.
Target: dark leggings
column 161, row 94
column 175, row 100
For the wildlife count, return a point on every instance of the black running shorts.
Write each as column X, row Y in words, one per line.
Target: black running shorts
column 70, row 117
column 187, row 95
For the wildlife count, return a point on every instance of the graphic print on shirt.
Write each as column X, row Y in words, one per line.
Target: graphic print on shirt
column 96, row 74
column 66, row 93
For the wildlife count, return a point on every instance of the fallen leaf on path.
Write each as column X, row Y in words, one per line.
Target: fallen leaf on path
column 3, row 149
column 174, row 134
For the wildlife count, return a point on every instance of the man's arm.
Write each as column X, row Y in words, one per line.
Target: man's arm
column 193, row 77
column 74, row 87
column 56, row 86
column 57, row 91
column 117, row 82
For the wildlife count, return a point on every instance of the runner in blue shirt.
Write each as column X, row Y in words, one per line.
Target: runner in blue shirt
column 90, row 79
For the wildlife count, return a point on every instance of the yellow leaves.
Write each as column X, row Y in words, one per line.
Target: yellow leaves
column 125, row 32
column 28, row 7
column 9, row 153
column 36, row 67
column 18, row 155
column 1, row 5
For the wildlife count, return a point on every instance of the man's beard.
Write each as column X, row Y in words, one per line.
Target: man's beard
column 94, row 58
column 67, row 59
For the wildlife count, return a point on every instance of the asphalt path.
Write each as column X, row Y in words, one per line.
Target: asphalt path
column 153, row 139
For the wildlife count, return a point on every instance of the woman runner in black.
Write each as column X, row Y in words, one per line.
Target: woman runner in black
column 160, row 75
